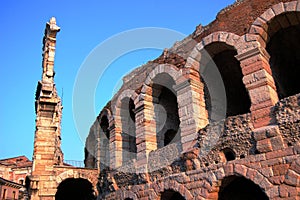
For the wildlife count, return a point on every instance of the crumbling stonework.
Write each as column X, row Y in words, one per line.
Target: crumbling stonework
column 287, row 115
column 255, row 145
column 47, row 152
column 48, row 167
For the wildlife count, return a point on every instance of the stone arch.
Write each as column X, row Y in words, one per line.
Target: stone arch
column 125, row 124
column 118, row 103
column 107, row 112
column 249, row 173
column 105, row 121
column 215, row 59
column 212, row 180
column 261, row 24
column 238, row 187
column 196, row 57
column 171, row 184
column 279, row 28
column 75, row 188
column 171, row 70
column 75, row 174
column 160, row 93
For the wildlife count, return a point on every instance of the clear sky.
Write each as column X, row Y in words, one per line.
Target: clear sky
column 84, row 25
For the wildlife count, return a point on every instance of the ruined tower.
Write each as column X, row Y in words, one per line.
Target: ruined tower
column 47, row 152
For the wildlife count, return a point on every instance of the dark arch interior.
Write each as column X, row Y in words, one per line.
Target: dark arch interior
column 104, row 143
column 223, row 56
column 237, row 188
column 89, row 159
column 284, row 49
column 104, row 124
column 75, row 188
column 168, row 100
column 229, row 154
column 128, row 130
column 166, row 110
column 171, row 195
column 169, row 136
column 89, row 150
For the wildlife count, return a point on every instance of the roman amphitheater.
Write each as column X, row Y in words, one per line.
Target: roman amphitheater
column 216, row 116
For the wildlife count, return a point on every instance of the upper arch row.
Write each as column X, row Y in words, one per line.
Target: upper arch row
column 256, row 81
column 259, row 33
column 257, row 37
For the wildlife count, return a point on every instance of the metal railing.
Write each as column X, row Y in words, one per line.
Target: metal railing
column 75, row 163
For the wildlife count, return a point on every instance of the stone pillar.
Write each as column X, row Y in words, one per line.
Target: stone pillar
column 115, row 146
column 101, row 150
column 145, row 128
column 191, row 107
column 98, row 146
column 90, row 145
column 260, row 84
column 47, row 151
column 104, row 151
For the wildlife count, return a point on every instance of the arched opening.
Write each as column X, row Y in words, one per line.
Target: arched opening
column 104, row 142
column 236, row 188
column 90, row 150
column 229, row 154
column 75, row 188
column 165, row 110
column 284, row 49
column 128, row 130
column 104, row 124
column 171, row 195
column 237, row 97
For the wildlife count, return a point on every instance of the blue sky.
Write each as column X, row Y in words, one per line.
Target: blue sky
column 84, row 25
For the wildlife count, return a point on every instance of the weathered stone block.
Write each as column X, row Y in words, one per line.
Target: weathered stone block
column 292, row 178
column 264, row 146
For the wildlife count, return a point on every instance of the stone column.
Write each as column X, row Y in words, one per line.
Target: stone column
column 47, row 152
column 115, row 144
column 259, row 83
column 98, row 146
column 102, row 158
column 191, row 107
column 145, row 128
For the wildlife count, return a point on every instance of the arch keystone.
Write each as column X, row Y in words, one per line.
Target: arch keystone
column 268, row 15
column 278, row 8
column 290, row 6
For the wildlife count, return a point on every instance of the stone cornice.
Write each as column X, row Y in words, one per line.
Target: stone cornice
column 253, row 52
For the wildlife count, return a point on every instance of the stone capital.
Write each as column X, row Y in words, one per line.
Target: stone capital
column 182, row 85
column 253, row 52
